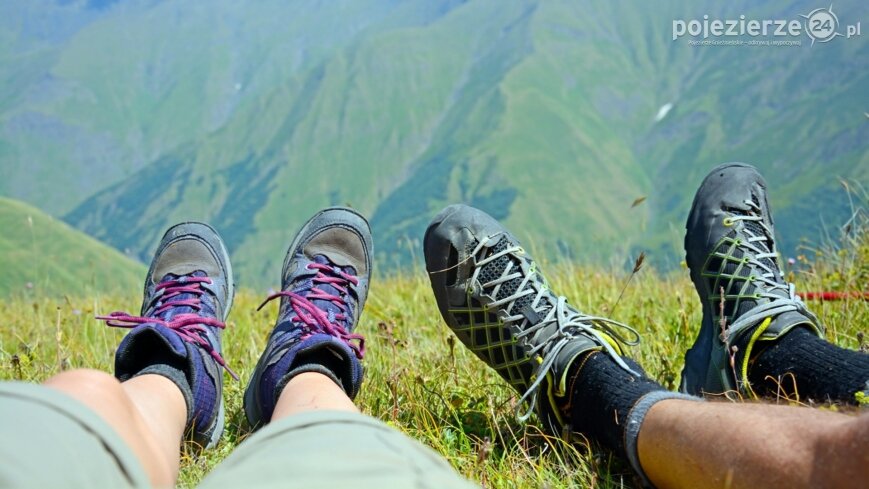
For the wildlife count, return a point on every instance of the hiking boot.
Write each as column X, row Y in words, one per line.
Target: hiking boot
column 491, row 294
column 324, row 285
column 188, row 294
column 730, row 251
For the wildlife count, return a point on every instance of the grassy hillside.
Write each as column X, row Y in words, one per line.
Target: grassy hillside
column 421, row 381
column 543, row 113
column 42, row 256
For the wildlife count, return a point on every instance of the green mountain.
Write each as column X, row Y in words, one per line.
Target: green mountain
column 39, row 254
column 552, row 115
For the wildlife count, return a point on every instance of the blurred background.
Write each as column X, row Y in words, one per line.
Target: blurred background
column 582, row 124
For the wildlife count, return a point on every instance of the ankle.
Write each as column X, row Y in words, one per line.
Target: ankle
column 177, row 377
column 323, row 355
column 609, row 404
column 800, row 365
column 311, row 391
column 565, row 404
column 603, row 395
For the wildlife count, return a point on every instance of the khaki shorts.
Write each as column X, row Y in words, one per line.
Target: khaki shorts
column 48, row 439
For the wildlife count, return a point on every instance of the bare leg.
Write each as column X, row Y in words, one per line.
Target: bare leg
column 691, row 444
column 311, row 391
column 148, row 412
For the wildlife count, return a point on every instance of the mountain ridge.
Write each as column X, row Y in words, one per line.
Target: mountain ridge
column 541, row 113
column 42, row 255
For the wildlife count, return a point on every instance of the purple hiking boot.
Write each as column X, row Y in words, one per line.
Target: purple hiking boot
column 188, row 294
column 324, row 285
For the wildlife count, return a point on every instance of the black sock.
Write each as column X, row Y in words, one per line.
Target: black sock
column 603, row 395
column 822, row 371
column 609, row 404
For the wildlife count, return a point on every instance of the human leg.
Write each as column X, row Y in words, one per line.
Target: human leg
column 312, row 391
column 168, row 367
column 299, row 398
column 148, row 412
column 684, row 443
column 493, row 296
column 53, row 440
column 324, row 287
column 719, row 444
column 188, row 294
column 595, row 391
column 167, row 371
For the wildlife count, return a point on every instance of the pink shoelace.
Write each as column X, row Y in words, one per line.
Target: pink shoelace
column 189, row 326
column 313, row 319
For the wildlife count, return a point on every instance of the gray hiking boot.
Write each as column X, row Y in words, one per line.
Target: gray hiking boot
column 325, row 281
column 491, row 294
column 188, row 294
column 730, row 251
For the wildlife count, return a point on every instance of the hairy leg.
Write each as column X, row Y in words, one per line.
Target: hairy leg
column 148, row 412
column 690, row 444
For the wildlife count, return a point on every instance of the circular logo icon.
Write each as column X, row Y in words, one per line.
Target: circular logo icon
column 821, row 24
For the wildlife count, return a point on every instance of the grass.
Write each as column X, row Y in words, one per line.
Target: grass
column 423, row 382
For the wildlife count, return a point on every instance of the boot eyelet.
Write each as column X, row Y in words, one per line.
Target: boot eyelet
column 728, row 221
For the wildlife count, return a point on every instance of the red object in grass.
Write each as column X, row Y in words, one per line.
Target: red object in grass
column 834, row 296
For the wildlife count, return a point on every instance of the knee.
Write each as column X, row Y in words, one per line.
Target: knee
column 86, row 384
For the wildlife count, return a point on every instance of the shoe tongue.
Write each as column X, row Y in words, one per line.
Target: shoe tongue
column 331, row 308
column 204, row 299
column 765, row 246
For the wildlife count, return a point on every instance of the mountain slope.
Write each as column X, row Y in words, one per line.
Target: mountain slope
column 42, row 254
column 542, row 113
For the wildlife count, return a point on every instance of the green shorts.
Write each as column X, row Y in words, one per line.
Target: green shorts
column 51, row 440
